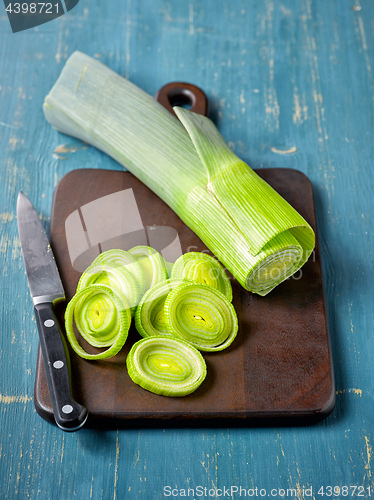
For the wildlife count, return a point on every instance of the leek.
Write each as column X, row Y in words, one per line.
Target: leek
column 150, row 315
column 119, row 257
column 152, row 264
column 254, row 232
column 115, row 277
column 202, row 268
column 202, row 316
column 166, row 366
column 102, row 317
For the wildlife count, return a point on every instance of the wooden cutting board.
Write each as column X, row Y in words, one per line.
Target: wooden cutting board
column 278, row 370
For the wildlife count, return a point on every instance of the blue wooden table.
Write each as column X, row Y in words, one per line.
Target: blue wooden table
column 290, row 84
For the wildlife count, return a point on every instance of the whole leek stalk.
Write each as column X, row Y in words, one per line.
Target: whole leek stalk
column 249, row 227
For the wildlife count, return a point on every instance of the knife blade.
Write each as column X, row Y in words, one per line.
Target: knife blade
column 46, row 289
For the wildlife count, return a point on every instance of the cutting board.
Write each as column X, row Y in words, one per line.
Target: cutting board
column 278, row 370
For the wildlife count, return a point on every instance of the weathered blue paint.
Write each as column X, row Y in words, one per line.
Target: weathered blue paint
column 290, row 84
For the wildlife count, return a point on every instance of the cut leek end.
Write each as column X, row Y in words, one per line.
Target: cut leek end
column 166, row 366
column 279, row 259
column 273, row 270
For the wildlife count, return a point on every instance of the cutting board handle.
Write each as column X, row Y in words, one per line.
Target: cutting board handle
column 183, row 94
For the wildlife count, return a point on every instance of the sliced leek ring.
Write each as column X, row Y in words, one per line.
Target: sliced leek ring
column 166, row 366
column 202, row 316
column 102, row 317
column 114, row 276
column 203, row 268
column 119, row 257
column 150, row 316
column 152, row 263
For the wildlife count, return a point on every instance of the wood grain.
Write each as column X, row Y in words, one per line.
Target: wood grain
column 279, row 76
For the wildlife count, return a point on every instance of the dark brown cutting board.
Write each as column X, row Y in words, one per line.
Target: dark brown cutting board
column 278, row 370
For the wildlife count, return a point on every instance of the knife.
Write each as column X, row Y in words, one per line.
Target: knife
column 46, row 289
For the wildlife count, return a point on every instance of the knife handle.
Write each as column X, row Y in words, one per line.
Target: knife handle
column 69, row 415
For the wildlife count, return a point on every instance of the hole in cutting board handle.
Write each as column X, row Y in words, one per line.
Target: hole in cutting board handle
column 183, row 94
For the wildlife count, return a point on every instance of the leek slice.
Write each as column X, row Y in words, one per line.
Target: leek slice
column 256, row 234
column 150, row 316
column 166, row 366
column 116, row 277
column 203, row 268
column 102, row 317
column 152, row 264
column 201, row 315
column 119, row 257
